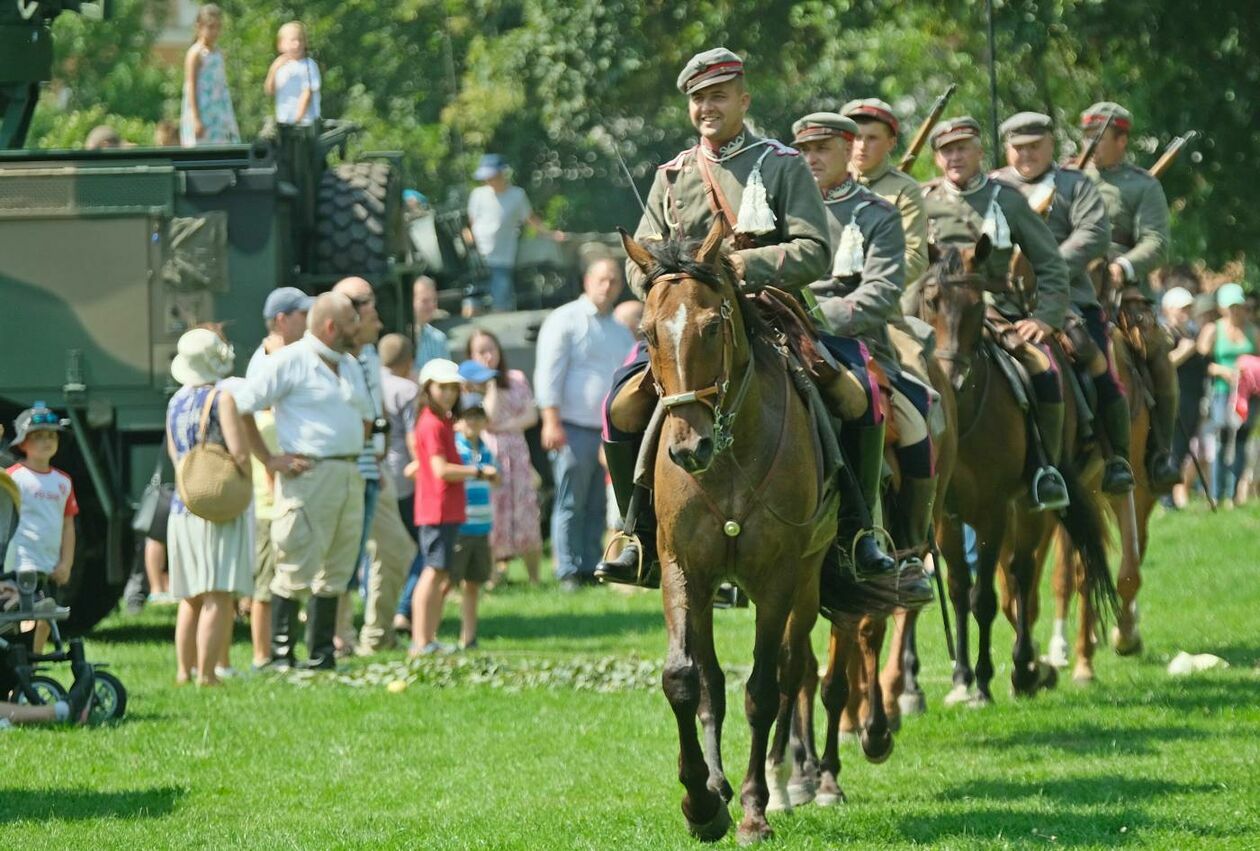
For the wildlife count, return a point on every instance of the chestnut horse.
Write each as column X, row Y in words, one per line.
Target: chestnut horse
column 739, row 497
column 989, row 488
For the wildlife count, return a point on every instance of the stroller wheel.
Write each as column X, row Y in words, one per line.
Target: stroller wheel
column 47, row 690
column 110, row 701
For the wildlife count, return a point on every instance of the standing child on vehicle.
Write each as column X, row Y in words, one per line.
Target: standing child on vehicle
column 44, row 541
column 440, row 506
column 293, row 78
column 472, row 565
column 207, row 117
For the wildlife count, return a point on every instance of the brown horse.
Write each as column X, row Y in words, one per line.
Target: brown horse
column 1132, row 515
column 989, row 489
column 739, row 497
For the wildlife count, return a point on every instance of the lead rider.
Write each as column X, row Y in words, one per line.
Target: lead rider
column 768, row 197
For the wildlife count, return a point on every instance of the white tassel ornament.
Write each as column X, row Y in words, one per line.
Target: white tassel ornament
column 995, row 227
column 755, row 216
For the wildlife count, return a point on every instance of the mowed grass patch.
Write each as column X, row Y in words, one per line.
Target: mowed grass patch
column 557, row 736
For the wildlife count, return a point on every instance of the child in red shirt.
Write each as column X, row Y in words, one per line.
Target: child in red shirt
column 440, row 507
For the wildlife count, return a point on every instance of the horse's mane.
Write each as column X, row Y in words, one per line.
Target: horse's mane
column 678, row 256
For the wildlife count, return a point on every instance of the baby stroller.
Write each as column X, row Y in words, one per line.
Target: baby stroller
column 21, row 670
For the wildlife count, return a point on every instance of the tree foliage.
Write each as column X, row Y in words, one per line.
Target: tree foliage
column 562, row 88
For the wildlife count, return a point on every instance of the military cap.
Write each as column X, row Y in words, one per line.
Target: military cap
column 708, row 69
column 872, row 108
column 823, row 125
column 1024, row 127
column 1098, row 114
column 963, row 127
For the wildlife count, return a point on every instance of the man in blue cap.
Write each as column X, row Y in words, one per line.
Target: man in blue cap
column 284, row 311
column 497, row 211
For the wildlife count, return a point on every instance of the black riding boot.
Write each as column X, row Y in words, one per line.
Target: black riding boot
column 284, row 618
column 639, row 526
column 321, row 626
column 859, row 490
column 1161, row 465
column 1117, row 474
column 1049, row 491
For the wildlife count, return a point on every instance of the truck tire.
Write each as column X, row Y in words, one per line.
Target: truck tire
column 358, row 220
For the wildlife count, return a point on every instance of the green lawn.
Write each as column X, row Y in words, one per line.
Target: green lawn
column 559, row 737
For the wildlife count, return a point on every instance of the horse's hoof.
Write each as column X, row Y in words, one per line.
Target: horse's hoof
column 830, row 799
column 801, row 793
column 980, row 700
column 958, row 695
column 894, row 721
column 1048, row 676
column 777, row 780
column 877, row 749
column 712, row 830
column 1130, row 645
column 1083, row 675
column 1058, row 652
column 751, row 834
column 912, row 703
column 722, row 789
column 847, row 737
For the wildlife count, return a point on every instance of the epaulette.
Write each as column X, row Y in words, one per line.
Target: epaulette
column 677, row 162
column 929, row 185
column 783, row 150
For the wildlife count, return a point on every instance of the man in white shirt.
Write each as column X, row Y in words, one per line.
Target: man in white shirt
column 323, row 415
column 497, row 211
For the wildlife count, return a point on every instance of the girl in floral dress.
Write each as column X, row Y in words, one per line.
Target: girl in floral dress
column 509, row 403
column 207, row 117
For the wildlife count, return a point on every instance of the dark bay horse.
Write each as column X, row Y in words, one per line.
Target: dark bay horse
column 739, row 497
column 989, row 489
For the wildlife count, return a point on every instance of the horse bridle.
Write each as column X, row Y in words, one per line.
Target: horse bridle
column 714, row 396
column 955, row 355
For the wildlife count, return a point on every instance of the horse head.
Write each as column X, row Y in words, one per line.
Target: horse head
column 952, row 302
column 697, row 344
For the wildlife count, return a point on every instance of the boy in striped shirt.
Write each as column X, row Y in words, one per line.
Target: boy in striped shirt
column 472, row 562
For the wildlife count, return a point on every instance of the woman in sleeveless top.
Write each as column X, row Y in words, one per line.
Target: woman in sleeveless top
column 207, row 117
column 209, row 562
column 1223, row 342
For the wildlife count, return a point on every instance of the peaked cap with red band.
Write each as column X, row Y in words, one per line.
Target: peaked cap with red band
column 708, row 69
column 1097, row 115
column 823, row 125
column 872, row 108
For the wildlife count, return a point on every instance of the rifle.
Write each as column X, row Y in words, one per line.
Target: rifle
column 920, row 138
column 1087, row 152
column 1171, row 152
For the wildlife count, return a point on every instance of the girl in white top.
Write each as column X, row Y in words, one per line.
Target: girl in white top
column 293, row 78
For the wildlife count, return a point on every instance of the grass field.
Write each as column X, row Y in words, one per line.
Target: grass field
column 558, row 736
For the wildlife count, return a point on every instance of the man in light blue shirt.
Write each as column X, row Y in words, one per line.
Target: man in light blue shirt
column 430, row 342
column 580, row 346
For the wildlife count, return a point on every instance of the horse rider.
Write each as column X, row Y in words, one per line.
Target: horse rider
column 859, row 298
column 878, row 129
column 780, row 238
column 1078, row 219
column 1139, row 243
column 965, row 204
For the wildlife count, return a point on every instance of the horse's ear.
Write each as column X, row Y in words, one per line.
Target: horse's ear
column 712, row 245
column 636, row 252
column 984, row 247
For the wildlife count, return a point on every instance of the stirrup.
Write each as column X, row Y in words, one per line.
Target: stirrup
column 881, row 536
column 640, row 578
column 1051, row 474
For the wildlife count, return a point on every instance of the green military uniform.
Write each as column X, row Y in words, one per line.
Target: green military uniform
column 988, row 206
column 1138, row 211
column 895, row 186
column 1078, row 220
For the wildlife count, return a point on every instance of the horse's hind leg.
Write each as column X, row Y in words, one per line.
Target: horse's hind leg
column 1125, row 637
column 1032, row 539
column 790, row 733
column 959, row 577
column 1063, row 583
column 984, row 603
column 877, row 740
column 892, row 678
column 912, row 700
column 835, row 694
column 685, row 618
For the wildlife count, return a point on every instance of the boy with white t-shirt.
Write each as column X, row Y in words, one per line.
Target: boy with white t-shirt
column 293, row 78
column 44, row 540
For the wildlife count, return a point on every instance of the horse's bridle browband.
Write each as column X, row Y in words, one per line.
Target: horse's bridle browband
column 955, row 355
column 713, row 396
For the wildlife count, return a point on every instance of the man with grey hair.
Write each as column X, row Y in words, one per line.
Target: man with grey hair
column 322, row 414
column 580, row 346
column 430, row 342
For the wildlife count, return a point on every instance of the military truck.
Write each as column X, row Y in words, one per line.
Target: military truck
column 107, row 257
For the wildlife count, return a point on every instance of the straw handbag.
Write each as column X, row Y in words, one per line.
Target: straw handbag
column 209, row 482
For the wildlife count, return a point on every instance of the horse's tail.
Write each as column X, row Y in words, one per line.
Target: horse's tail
column 1083, row 522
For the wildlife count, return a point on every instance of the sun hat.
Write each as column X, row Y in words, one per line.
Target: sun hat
column 440, row 371
column 1177, row 298
column 202, row 358
column 476, row 372
column 490, row 165
column 1230, row 295
column 38, row 417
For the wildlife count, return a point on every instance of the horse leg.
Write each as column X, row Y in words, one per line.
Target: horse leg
column 1031, row 541
column 712, row 710
column 1125, row 638
column 877, row 740
column 803, row 784
column 1063, row 583
column 1083, row 671
column 959, row 578
column 984, row 604
column 704, row 809
column 835, row 694
column 850, row 716
column 892, row 680
column 777, row 654
column 912, row 700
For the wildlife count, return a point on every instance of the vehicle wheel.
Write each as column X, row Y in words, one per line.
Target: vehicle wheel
column 358, row 221
column 47, row 689
column 111, row 699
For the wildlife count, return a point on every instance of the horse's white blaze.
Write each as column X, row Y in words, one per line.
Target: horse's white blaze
column 675, row 327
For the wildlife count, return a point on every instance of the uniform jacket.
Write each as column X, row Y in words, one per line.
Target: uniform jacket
column 863, row 303
column 795, row 253
column 1139, row 219
column 903, row 192
column 1078, row 219
column 957, row 216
